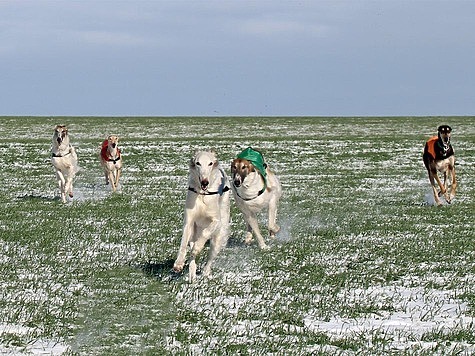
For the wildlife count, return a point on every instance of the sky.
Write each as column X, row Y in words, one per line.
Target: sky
column 237, row 58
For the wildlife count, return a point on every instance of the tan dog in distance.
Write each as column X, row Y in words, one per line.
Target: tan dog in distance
column 111, row 161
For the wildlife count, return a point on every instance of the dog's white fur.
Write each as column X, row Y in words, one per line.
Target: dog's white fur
column 111, row 161
column 64, row 160
column 207, row 212
column 246, row 184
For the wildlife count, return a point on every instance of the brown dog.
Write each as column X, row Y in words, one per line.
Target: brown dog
column 439, row 156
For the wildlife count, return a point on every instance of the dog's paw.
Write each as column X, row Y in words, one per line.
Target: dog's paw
column 206, row 271
column 274, row 230
column 248, row 238
column 178, row 267
column 264, row 247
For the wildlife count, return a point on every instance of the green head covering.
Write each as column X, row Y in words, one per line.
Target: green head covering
column 255, row 157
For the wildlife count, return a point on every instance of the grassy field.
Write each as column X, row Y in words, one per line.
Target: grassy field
column 364, row 263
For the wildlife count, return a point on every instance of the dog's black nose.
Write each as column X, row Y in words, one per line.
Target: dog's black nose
column 204, row 184
column 113, row 145
column 59, row 139
column 237, row 182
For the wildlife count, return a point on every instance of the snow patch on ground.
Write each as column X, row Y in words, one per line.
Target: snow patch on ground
column 37, row 347
column 416, row 312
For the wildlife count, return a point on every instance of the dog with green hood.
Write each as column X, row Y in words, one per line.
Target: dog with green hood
column 255, row 188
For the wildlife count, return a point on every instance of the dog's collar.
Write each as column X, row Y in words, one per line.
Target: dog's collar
column 444, row 146
column 105, row 155
column 114, row 160
column 57, row 155
column 224, row 190
column 247, row 199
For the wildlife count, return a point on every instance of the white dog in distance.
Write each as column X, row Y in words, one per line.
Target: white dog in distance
column 207, row 212
column 64, row 160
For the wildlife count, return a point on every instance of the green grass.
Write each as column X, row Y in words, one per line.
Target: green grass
column 362, row 263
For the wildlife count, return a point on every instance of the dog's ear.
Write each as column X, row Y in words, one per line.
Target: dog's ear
column 215, row 156
column 192, row 162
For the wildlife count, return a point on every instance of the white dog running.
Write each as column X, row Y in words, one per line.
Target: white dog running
column 255, row 187
column 207, row 212
column 111, row 161
column 64, row 160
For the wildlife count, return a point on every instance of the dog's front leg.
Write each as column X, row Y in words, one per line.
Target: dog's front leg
column 432, row 179
column 214, row 247
column 186, row 237
column 62, row 185
column 442, row 187
column 249, row 236
column 106, row 175
column 117, row 177
column 251, row 220
column 112, row 180
column 198, row 246
column 69, row 184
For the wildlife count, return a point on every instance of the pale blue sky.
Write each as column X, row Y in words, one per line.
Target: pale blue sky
column 266, row 58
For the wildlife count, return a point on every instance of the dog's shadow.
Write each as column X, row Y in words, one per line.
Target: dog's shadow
column 39, row 198
column 162, row 271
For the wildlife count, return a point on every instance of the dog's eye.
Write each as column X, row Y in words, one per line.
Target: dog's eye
column 198, row 163
column 210, row 164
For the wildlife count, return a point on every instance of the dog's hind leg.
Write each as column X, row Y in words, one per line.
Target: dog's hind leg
column 453, row 188
column 434, row 187
column 272, row 223
column 192, row 271
column 214, row 248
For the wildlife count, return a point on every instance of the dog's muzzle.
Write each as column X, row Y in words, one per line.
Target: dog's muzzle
column 237, row 181
column 204, row 184
column 59, row 140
